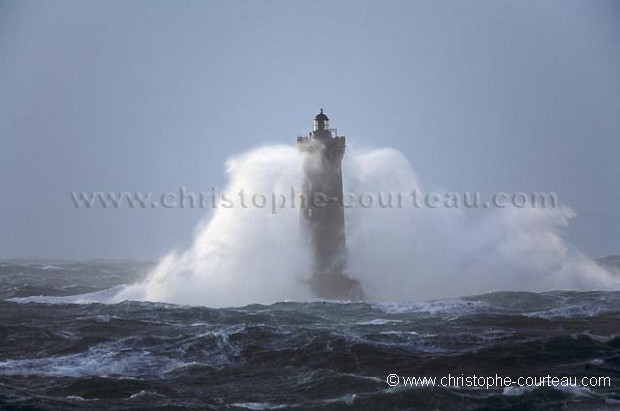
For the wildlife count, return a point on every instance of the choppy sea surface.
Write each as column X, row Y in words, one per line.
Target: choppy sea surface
column 61, row 352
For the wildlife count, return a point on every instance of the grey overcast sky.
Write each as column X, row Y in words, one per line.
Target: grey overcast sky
column 153, row 95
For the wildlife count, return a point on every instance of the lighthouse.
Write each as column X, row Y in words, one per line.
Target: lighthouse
column 322, row 212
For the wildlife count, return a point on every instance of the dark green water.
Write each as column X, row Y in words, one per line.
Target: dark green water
column 59, row 355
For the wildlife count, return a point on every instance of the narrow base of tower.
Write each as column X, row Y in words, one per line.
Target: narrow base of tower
column 336, row 286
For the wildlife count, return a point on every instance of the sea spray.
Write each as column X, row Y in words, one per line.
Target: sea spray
column 241, row 254
column 249, row 254
column 410, row 253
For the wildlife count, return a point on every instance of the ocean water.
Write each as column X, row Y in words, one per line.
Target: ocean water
column 63, row 348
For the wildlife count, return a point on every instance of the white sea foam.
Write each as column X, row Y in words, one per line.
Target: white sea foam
column 76, row 398
column 570, row 389
column 570, row 312
column 102, row 297
column 259, row 405
column 514, row 391
column 50, row 267
column 377, row 321
column 453, row 307
column 101, row 360
column 144, row 395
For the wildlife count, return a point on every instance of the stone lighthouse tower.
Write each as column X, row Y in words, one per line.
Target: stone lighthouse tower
column 322, row 211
